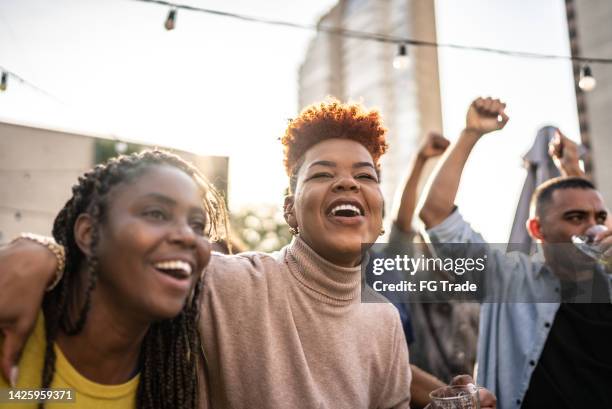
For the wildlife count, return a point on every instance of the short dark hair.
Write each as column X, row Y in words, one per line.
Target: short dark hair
column 543, row 193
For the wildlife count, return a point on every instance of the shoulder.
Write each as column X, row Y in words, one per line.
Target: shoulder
column 241, row 270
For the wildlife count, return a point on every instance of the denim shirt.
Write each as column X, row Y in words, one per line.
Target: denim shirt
column 512, row 335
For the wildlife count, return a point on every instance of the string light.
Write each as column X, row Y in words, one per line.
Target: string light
column 401, row 60
column 171, row 19
column 587, row 82
column 384, row 38
column 3, row 81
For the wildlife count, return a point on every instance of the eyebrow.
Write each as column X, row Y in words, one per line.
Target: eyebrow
column 168, row 200
column 572, row 212
column 161, row 198
column 333, row 164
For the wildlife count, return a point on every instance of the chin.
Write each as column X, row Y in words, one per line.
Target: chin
column 166, row 310
column 346, row 246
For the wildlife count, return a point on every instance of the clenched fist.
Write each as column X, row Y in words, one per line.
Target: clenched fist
column 432, row 145
column 486, row 115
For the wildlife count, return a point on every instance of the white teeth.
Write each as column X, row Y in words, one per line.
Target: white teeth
column 174, row 265
column 345, row 207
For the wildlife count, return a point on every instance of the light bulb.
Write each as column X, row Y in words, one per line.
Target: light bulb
column 3, row 81
column 401, row 60
column 587, row 81
column 171, row 20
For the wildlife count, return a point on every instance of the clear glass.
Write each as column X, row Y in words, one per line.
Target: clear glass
column 585, row 243
column 455, row 397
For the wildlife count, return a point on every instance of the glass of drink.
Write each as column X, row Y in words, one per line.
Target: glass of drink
column 455, row 397
column 586, row 243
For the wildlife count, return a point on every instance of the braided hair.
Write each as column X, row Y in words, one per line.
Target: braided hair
column 168, row 355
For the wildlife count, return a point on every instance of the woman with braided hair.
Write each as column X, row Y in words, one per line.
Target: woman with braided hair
column 120, row 327
column 288, row 329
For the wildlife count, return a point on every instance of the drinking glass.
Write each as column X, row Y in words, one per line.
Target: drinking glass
column 455, row 397
column 585, row 243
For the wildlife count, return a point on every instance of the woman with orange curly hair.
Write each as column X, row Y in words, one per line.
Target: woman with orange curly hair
column 289, row 329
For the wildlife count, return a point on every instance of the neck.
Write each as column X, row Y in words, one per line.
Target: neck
column 107, row 350
column 340, row 259
column 324, row 280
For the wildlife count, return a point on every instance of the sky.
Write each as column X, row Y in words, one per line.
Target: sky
column 220, row 86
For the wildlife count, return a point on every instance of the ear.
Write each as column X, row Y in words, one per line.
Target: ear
column 535, row 228
column 83, row 233
column 289, row 212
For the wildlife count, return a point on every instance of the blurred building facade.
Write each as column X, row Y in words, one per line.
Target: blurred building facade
column 38, row 168
column 362, row 71
column 590, row 33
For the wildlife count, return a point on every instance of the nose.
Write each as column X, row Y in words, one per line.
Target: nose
column 182, row 234
column 346, row 184
column 592, row 221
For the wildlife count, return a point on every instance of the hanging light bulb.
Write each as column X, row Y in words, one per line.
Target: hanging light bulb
column 587, row 82
column 401, row 60
column 3, row 81
column 171, row 19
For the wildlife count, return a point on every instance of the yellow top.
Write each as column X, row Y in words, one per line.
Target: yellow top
column 87, row 394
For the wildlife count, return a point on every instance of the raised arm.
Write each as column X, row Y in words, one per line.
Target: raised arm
column 564, row 153
column 484, row 115
column 26, row 269
column 433, row 145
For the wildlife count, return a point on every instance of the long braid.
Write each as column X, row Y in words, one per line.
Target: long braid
column 169, row 350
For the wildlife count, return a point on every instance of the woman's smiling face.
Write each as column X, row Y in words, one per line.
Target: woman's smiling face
column 152, row 245
column 337, row 204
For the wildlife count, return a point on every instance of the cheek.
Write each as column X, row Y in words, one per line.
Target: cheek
column 306, row 204
column 129, row 243
column 376, row 203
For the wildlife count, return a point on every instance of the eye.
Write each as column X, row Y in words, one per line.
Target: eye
column 198, row 226
column 577, row 218
column 321, row 175
column 155, row 214
column 367, row 176
column 601, row 219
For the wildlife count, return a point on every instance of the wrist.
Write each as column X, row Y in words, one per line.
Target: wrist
column 419, row 160
column 572, row 171
column 53, row 258
column 472, row 132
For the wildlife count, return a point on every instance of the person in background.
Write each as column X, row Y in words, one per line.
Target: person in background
column 535, row 354
column 444, row 333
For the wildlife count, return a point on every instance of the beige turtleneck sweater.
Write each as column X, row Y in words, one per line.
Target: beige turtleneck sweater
column 288, row 330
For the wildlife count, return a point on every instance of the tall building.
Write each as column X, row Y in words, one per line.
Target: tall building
column 590, row 35
column 39, row 166
column 361, row 71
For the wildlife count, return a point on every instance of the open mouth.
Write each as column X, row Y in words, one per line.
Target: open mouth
column 346, row 210
column 178, row 269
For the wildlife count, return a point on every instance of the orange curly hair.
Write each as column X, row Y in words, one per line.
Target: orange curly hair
column 332, row 119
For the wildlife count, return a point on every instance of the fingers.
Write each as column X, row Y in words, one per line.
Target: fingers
column 440, row 142
column 504, row 119
column 555, row 146
column 487, row 399
column 14, row 341
column 462, row 380
column 490, row 107
column 603, row 236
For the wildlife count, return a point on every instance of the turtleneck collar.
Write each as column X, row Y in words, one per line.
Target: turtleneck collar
column 325, row 281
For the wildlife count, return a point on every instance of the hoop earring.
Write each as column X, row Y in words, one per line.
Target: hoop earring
column 382, row 232
column 294, row 230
